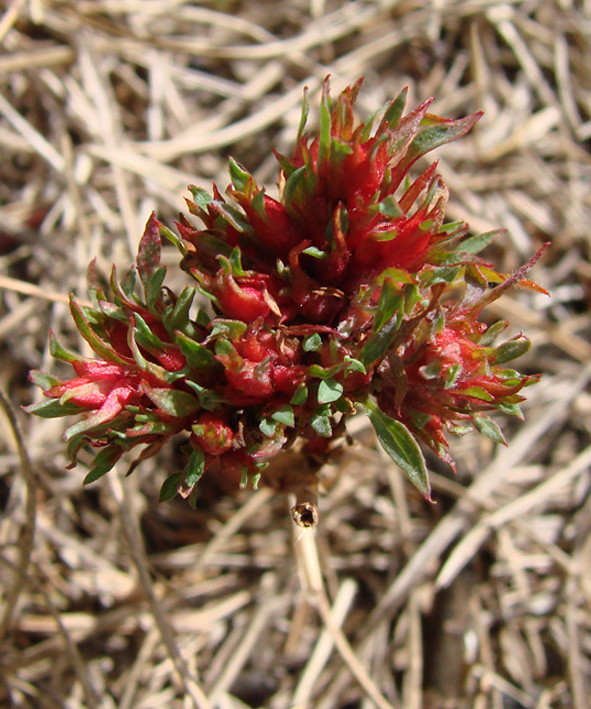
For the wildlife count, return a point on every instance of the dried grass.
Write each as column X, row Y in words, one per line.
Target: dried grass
column 109, row 109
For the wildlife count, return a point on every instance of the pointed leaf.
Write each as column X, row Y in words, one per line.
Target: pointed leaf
column 300, row 395
column 53, row 409
column 154, row 288
column 233, row 216
column 321, row 424
column 401, row 446
column 511, row 350
column 475, row 244
column 102, row 463
column 144, row 335
column 241, row 178
column 148, row 256
column 293, row 187
column 198, row 356
column 284, row 414
column 193, row 472
column 395, row 109
column 179, row 318
column 201, row 197
column 329, row 390
column 173, row 401
column 173, row 238
column 441, row 131
column 390, row 303
column 98, row 345
column 489, row 428
column 43, row 380
column 378, row 342
column 170, row 487
column 311, row 343
column 268, row 427
column 57, row 351
column 305, row 113
column 325, row 125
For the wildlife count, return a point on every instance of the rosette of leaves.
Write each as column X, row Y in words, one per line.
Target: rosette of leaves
column 348, row 292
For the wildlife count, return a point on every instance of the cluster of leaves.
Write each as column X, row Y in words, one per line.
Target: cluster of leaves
column 348, row 291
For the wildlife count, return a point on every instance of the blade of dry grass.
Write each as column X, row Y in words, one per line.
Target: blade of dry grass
column 190, row 684
column 26, row 537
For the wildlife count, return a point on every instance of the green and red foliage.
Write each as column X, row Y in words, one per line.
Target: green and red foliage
column 349, row 291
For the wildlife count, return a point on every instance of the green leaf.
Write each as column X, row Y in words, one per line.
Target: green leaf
column 394, row 111
column 511, row 410
column 209, row 400
column 511, row 350
column 325, row 372
column 97, row 344
column 200, row 196
column 150, row 247
column 154, row 287
column 233, row 216
column 300, row 395
column 244, row 478
column 43, row 380
column 240, row 177
column 268, row 427
column 293, row 186
column 321, row 424
column 258, row 204
column 489, row 428
column 324, row 132
column 154, row 369
column 173, row 401
column 402, row 447
column 53, row 409
column 390, row 208
column 440, row 133
column 224, row 348
column 179, row 318
column 198, row 356
column 202, row 318
column 442, row 274
column 493, row 332
column 475, row 244
column 232, row 329
column 170, row 487
column 128, row 281
column 386, row 235
column 236, row 262
column 311, row 343
column 390, row 304
column 315, row 252
column 193, row 472
column 102, row 463
column 144, row 335
column 329, row 390
column 284, row 414
column 452, row 375
column 353, row 365
column 378, row 342
column 431, row 370
column 305, row 113
column 173, row 238
column 57, row 351
column 477, row 393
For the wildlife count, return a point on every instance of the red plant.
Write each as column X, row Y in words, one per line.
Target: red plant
column 350, row 290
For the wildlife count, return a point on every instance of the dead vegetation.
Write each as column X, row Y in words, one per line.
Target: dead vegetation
column 108, row 109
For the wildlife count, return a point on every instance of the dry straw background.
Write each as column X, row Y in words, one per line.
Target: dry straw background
column 108, row 109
